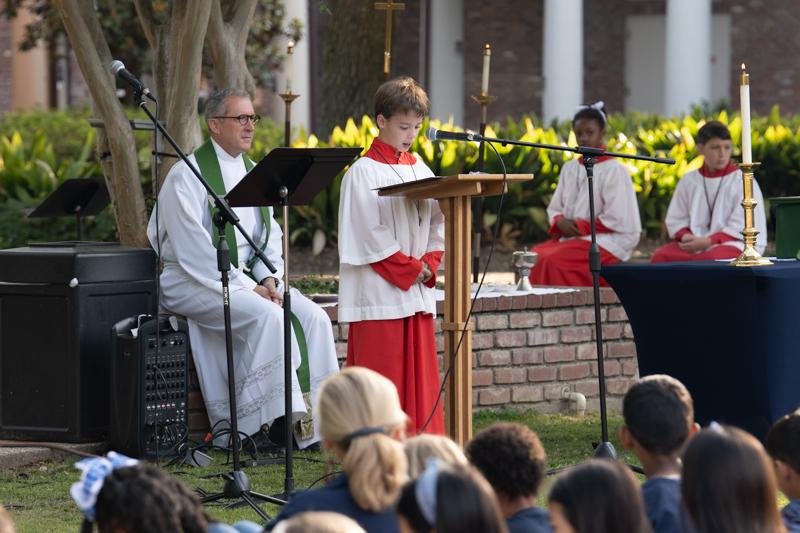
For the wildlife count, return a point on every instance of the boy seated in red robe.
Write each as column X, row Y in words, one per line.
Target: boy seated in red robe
column 705, row 216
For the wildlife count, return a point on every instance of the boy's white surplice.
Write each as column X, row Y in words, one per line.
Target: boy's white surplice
column 614, row 203
column 372, row 228
column 190, row 285
column 692, row 203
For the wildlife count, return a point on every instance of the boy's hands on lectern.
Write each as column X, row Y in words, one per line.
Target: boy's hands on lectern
column 694, row 243
column 568, row 227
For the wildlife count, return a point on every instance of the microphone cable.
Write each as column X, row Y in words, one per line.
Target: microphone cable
column 495, row 233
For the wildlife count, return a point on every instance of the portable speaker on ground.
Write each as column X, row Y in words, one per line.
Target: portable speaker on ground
column 149, row 386
column 57, row 305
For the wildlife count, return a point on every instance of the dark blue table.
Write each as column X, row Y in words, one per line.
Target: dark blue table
column 730, row 334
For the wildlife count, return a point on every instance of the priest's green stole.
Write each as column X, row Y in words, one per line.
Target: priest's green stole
column 210, row 169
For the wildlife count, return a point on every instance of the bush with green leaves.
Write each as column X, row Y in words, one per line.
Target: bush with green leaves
column 45, row 147
column 776, row 145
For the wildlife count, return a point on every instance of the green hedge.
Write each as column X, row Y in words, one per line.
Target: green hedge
column 51, row 146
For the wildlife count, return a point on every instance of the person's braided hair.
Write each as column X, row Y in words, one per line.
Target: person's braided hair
column 144, row 498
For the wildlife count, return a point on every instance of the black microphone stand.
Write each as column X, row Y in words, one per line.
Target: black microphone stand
column 237, row 484
column 604, row 448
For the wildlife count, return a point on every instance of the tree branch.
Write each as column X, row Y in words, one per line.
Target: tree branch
column 243, row 16
column 147, row 18
column 93, row 55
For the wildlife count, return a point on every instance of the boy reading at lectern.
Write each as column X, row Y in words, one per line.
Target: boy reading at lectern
column 705, row 216
column 390, row 248
column 564, row 260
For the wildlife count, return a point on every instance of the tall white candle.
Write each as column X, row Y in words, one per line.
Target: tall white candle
column 487, row 55
column 744, row 98
column 288, row 66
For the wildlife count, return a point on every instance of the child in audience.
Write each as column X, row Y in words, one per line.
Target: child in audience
column 318, row 522
column 783, row 445
column 659, row 418
column 705, row 216
column 420, row 449
column 599, row 496
column 564, row 260
column 513, row 461
column 121, row 495
column 728, row 483
column 449, row 499
column 361, row 422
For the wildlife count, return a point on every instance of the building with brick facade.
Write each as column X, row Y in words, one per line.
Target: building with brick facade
column 645, row 55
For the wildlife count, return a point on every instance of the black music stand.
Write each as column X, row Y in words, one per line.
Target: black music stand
column 287, row 176
column 78, row 197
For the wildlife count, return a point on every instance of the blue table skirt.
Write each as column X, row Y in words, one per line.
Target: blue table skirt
column 730, row 334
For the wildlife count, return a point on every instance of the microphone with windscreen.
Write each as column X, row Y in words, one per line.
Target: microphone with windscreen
column 118, row 68
column 440, row 135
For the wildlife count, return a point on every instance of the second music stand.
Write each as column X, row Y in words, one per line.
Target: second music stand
column 288, row 176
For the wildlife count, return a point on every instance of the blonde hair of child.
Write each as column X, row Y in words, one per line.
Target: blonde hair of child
column 319, row 522
column 421, row 448
column 356, row 399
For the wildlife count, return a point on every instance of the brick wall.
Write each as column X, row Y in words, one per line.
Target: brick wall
column 526, row 351
column 514, row 28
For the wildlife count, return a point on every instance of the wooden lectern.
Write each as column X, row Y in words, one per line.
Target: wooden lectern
column 454, row 194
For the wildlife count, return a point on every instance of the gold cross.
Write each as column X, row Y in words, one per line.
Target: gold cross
column 388, row 6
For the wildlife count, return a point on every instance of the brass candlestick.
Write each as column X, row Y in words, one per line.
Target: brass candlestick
column 484, row 99
column 749, row 256
column 288, row 97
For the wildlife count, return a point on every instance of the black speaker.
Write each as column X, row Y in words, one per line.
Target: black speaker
column 57, row 306
column 149, row 386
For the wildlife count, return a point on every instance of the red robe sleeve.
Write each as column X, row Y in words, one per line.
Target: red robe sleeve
column 398, row 269
column 433, row 260
column 721, row 237
column 585, row 229
column 554, row 231
column 681, row 232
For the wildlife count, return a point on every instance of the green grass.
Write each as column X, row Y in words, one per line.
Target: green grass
column 38, row 496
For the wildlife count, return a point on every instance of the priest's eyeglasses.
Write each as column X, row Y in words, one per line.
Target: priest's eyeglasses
column 242, row 119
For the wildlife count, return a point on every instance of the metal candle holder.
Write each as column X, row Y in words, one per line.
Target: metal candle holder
column 749, row 256
column 288, row 97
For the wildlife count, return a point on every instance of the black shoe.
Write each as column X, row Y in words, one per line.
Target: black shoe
column 316, row 447
column 260, row 444
column 277, row 431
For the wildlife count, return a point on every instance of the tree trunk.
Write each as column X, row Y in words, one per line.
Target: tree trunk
column 122, row 169
column 227, row 38
column 352, row 55
column 176, row 38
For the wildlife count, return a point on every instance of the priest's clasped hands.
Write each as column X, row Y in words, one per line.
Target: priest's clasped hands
column 268, row 289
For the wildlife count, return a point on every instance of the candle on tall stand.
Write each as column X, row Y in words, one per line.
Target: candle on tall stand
column 744, row 98
column 483, row 99
column 287, row 69
column 287, row 95
column 749, row 256
column 487, row 56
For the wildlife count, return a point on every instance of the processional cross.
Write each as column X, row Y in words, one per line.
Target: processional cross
column 388, row 6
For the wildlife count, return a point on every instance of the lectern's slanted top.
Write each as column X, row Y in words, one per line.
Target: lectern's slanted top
column 455, row 185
